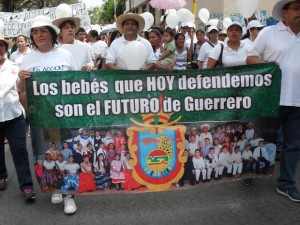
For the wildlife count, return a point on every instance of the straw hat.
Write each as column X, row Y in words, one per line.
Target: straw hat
column 223, row 32
column 205, row 125
column 130, row 16
column 277, row 9
column 7, row 42
column 57, row 22
column 40, row 21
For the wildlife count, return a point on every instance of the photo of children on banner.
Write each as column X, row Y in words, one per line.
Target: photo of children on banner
column 95, row 163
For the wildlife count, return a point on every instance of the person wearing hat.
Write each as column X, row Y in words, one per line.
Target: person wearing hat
column 46, row 55
column 280, row 44
column 234, row 50
column 12, row 125
column 253, row 27
column 190, row 36
column 69, row 26
column 222, row 35
column 207, row 47
column 130, row 25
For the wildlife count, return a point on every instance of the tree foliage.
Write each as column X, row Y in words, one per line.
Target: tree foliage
column 20, row 5
column 106, row 13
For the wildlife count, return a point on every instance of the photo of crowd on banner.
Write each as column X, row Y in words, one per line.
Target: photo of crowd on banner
column 98, row 159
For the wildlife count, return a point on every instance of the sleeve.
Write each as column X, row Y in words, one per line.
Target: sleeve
column 171, row 47
column 259, row 44
column 202, row 53
column 151, row 57
column 215, row 52
column 111, row 55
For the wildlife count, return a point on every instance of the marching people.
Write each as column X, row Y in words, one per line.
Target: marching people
column 12, row 124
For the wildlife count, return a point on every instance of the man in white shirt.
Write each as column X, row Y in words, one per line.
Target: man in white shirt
column 260, row 155
column 130, row 25
column 281, row 44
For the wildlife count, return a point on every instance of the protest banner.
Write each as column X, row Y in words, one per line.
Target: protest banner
column 15, row 23
column 155, row 111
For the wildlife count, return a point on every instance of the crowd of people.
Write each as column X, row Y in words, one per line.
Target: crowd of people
column 167, row 49
column 99, row 160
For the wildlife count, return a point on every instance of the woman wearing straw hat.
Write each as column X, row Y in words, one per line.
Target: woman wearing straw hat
column 69, row 26
column 12, row 125
column 47, row 55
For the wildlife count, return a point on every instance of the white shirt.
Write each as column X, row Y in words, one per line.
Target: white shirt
column 230, row 56
column 99, row 48
column 256, row 152
column 198, row 163
column 10, row 107
column 17, row 56
column 60, row 165
column 247, row 155
column 204, row 52
column 117, row 48
column 49, row 165
column 72, row 168
column 224, row 158
column 236, row 157
column 57, row 59
column 279, row 44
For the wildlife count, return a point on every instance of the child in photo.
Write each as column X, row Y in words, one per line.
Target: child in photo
column 66, row 152
column 227, row 144
column 116, row 174
column 123, row 152
column 101, row 150
column 49, row 175
column 247, row 158
column 79, row 153
column 193, row 145
column 119, row 140
column 219, row 134
column 130, row 183
column 199, row 166
column 206, row 146
column 188, row 168
column 97, row 140
column 243, row 142
column 53, row 151
column 71, row 178
column 237, row 163
column 260, row 155
column 249, row 132
column 211, row 162
column 102, row 178
column 110, row 156
column 234, row 143
column 239, row 131
column 229, row 132
column 107, row 139
column 60, row 173
column 86, row 177
column 217, row 146
column 225, row 161
column 168, row 54
column 91, row 152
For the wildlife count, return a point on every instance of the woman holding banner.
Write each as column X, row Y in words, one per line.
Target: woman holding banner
column 47, row 56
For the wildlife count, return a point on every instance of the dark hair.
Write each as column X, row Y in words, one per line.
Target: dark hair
column 23, row 36
column 155, row 31
column 80, row 30
column 113, row 36
column 146, row 35
column 177, row 36
column 286, row 6
column 200, row 31
column 5, row 44
column 169, row 31
column 52, row 32
column 65, row 22
column 94, row 34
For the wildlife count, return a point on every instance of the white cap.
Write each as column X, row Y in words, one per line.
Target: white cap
column 254, row 23
column 212, row 28
column 190, row 24
column 235, row 23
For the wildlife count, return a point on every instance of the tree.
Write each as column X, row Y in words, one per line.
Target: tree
column 20, row 5
column 106, row 13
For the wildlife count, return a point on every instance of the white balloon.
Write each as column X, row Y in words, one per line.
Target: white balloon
column 135, row 55
column 226, row 22
column 172, row 20
column 149, row 20
column 185, row 15
column 203, row 15
column 213, row 22
column 170, row 11
column 63, row 10
column 247, row 8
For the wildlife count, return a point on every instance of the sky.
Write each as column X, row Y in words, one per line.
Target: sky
column 92, row 3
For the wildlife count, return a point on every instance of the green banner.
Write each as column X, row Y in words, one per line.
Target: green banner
column 111, row 98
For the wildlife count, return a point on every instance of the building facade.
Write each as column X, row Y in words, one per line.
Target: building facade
column 217, row 8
